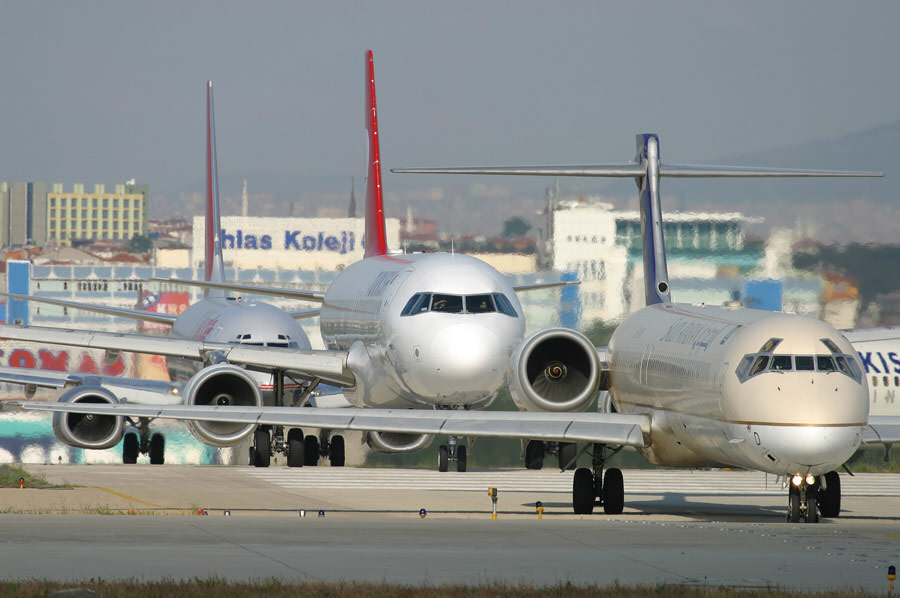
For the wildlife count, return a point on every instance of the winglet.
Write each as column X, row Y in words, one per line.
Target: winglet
column 376, row 239
column 214, row 266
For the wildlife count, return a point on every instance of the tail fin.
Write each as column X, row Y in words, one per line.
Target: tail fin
column 214, row 267
column 656, row 273
column 376, row 239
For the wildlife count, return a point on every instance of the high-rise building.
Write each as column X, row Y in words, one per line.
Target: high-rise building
column 23, row 213
column 79, row 214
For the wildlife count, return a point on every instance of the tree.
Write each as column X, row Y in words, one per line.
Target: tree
column 140, row 244
column 516, row 227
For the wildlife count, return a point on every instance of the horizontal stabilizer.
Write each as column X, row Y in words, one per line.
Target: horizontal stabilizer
column 687, row 171
column 134, row 314
column 545, row 285
column 315, row 296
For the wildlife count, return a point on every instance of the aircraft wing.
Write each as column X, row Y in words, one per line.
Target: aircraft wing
column 314, row 296
column 544, row 285
column 330, row 366
column 609, row 428
column 304, row 313
column 882, row 429
column 134, row 390
column 135, row 314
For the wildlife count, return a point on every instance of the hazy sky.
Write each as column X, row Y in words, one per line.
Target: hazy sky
column 106, row 91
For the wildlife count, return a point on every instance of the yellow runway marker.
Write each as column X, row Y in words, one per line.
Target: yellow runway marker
column 125, row 496
column 893, row 536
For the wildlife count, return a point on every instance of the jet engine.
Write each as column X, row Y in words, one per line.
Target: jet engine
column 222, row 384
column 554, row 370
column 88, row 431
column 393, row 442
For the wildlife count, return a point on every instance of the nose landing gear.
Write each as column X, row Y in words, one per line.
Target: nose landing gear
column 803, row 499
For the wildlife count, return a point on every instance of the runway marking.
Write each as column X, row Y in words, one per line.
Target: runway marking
column 637, row 482
column 125, row 496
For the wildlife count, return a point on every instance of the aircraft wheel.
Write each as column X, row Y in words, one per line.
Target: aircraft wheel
column 262, row 450
column 613, row 492
column 830, row 496
column 157, row 449
column 793, row 505
column 812, row 509
column 461, row 459
column 443, row 457
column 336, row 451
column 130, row 449
column 296, row 452
column 567, row 452
column 534, row 454
column 311, row 450
column 583, row 491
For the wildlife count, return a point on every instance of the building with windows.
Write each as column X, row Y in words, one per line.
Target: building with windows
column 33, row 214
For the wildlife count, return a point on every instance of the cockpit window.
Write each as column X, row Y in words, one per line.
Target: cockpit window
column 804, row 363
column 770, row 345
column 831, row 345
column 479, row 304
column 447, row 303
column 824, row 363
column 455, row 304
column 759, row 365
column 782, row 363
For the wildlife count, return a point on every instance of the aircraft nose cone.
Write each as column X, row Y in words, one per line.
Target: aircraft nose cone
column 817, row 449
column 468, row 359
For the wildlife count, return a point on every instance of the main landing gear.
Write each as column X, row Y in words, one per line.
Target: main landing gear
column 300, row 450
column 592, row 487
column 809, row 496
column 536, row 450
column 143, row 442
column 452, row 451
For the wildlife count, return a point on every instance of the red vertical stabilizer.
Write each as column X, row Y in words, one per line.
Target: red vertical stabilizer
column 214, row 267
column 376, row 239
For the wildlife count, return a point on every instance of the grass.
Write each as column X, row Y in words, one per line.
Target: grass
column 872, row 461
column 10, row 475
column 216, row 587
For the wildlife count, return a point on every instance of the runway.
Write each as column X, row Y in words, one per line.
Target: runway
column 701, row 527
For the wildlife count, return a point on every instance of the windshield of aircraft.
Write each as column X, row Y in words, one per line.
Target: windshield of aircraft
column 459, row 304
column 766, row 361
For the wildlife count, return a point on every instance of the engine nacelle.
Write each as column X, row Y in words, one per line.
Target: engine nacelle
column 393, row 442
column 554, row 370
column 222, row 384
column 85, row 430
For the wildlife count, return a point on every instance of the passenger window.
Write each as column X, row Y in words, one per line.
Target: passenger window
column 782, row 363
column 447, row 303
column 504, row 306
column 804, row 363
column 896, row 380
column 761, row 362
column 417, row 304
column 479, row 304
column 885, row 380
column 874, row 381
column 824, row 363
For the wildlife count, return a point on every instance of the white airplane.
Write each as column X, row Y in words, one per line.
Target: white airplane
column 419, row 331
column 206, row 379
column 879, row 352
column 690, row 386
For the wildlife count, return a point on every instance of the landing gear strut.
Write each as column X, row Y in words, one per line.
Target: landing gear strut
column 803, row 495
column 452, row 451
column 566, row 452
column 143, row 442
column 592, row 487
column 299, row 449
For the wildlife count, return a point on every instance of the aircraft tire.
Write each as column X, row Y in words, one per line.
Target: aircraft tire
column 534, row 454
column 130, row 449
column 566, row 453
column 793, row 505
column 311, row 450
column 157, row 449
column 296, row 448
column 443, row 458
column 336, row 451
column 583, row 491
column 830, row 495
column 262, row 449
column 613, row 492
column 461, row 459
column 812, row 507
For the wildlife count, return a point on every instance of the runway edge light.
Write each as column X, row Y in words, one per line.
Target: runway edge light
column 891, row 576
column 492, row 492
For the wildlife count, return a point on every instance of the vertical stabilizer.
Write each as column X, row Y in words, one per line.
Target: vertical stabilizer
column 656, row 274
column 376, row 239
column 214, row 267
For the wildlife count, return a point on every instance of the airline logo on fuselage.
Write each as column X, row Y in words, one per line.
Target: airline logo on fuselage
column 293, row 240
column 690, row 333
column 877, row 362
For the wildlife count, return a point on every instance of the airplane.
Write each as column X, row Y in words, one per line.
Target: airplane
column 215, row 318
column 879, row 352
column 404, row 331
column 690, row 385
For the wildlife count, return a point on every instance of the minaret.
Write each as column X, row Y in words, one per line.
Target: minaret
column 409, row 219
column 351, row 211
column 244, row 200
